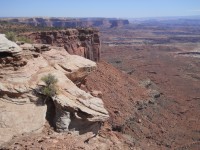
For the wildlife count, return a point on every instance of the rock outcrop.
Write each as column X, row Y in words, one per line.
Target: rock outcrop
column 71, row 22
column 82, row 42
column 10, row 53
column 18, row 114
column 22, row 108
column 9, row 47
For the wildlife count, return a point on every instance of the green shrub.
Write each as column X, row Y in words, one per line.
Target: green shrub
column 24, row 39
column 50, row 89
column 11, row 36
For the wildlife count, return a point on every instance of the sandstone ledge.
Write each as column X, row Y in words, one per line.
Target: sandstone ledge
column 22, row 110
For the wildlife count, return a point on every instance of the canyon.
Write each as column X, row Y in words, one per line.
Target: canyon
column 162, row 55
column 141, row 91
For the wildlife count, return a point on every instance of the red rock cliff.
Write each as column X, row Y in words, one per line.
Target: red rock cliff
column 82, row 42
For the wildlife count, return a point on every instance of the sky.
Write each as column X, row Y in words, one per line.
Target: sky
column 99, row 8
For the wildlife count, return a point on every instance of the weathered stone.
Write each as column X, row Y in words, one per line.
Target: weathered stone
column 19, row 117
column 8, row 47
column 26, row 46
column 154, row 93
column 20, row 107
column 41, row 47
column 96, row 94
column 10, row 54
column 82, row 42
column 75, row 67
column 74, row 107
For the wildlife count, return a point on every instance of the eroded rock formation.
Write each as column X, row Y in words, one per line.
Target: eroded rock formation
column 22, row 110
column 82, row 42
column 71, row 22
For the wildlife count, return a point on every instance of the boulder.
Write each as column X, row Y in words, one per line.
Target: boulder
column 96, row 93
column 8, row 47
column 10, row 54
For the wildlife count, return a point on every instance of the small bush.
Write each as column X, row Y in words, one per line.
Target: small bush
column 11, row 36
column 50, row 89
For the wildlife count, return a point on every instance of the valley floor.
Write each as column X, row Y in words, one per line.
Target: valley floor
column 172, row 121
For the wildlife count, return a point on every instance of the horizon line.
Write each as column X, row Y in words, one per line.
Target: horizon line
column 100, row 17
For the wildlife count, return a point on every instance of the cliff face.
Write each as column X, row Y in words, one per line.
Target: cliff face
column 82, row 42
column 71, row 22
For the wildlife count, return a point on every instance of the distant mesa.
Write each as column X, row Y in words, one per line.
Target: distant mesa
column 71, row 22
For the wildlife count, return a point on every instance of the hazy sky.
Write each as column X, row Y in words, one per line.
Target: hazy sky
column 99, row 8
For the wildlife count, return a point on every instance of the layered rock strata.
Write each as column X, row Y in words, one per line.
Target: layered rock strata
column 82, row 42
column 71, row 22
column 23, row 110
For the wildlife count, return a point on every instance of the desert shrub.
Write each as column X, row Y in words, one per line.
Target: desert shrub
column 50, row 89
column 24, row 39
column 11, row 36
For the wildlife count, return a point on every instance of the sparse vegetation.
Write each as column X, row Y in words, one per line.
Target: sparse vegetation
column 11, row 36
column 24, row 39
column 50, row 89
